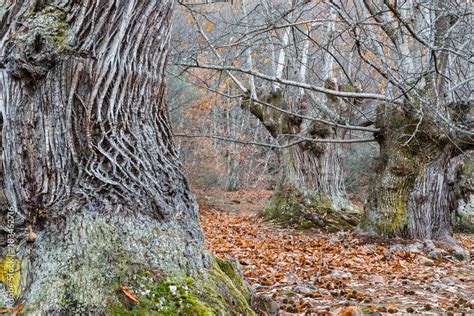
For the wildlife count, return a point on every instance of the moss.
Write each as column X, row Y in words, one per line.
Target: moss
column 348, row 87
column 292, row 207
column 386, row 212
column 219, row 290
column 224, row 288
column 46, row 33
column 49, row 23
column 230, row 270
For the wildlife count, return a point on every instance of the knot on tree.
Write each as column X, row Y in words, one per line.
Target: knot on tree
column 36, row 47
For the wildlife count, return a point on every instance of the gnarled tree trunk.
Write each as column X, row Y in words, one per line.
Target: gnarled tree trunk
column 91, row 174
column 411, row 195
column 311, row 190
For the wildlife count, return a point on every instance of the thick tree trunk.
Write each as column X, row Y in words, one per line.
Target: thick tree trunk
column 410, row 195
column 316, row 170
column 311, row 190
column 90, row 170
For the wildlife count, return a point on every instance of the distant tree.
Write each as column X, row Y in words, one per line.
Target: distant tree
column 339, row 71
column 304, row 126
column 421, row 50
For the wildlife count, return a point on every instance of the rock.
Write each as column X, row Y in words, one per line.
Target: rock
column 460, row 254
column 429, row 244
column 371, row 247
column 339, row 275
column 263, row 304
column 303, row 289
column 425, row 261
column 436, row 254
column 416, row 247
column 397, row 247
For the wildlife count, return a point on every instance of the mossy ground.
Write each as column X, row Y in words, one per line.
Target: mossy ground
column 292, row 207
column 218, row 291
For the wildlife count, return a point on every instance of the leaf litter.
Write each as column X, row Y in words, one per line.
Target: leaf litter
column 322, row 273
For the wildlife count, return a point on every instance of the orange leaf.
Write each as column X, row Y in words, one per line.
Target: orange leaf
column 209, row 26
column 130, row 294
column 6, row 310
column 18, row 309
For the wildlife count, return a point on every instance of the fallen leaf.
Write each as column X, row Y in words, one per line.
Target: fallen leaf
column 6, row 310
column 130, row 294
column 18, row 309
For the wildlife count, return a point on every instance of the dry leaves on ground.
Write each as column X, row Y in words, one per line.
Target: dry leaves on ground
column 313, row 271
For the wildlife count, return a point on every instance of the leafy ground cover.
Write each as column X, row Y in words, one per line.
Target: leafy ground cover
column 317, row 272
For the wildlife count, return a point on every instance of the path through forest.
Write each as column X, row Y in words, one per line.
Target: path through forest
column 315, row 272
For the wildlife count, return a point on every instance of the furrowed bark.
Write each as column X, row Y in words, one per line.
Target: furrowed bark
column 411, row 194
column 90, row 165
column 311, row 179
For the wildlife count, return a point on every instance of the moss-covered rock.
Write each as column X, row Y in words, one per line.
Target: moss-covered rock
column 219, row 290
column 293, row 207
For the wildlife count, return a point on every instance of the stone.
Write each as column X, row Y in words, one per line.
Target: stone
column 435, row 254
column 303, row 289
column 460, row 254
column 264, row 304
column 425, row 261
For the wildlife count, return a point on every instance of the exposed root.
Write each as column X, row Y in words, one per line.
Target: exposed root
column 292, row 207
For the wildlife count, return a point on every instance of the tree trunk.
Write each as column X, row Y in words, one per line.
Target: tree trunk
column 410, row 195
column 311, row 190
column 91, row 173
column 316, row 169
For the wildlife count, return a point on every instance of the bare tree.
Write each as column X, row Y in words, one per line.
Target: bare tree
column 424, row 61
column 400, row 71
column 291, row 113
column 91, row 176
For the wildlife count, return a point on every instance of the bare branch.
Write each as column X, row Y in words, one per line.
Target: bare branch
column 290, row 144
column 372, row 96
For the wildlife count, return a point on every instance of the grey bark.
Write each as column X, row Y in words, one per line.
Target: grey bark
column 411, row 194
column 309, row 167
column 89, row 159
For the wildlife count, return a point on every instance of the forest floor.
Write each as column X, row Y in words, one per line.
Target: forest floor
column 314, row 272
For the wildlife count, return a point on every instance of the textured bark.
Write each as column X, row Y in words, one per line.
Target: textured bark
column 411, row 195
column 89, row 159
column 311, row 190
column 429, row 213
column 309, row 167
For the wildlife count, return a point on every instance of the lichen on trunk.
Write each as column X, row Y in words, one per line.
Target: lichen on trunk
column 91, row 176
column 311, row 183
column 410, row 195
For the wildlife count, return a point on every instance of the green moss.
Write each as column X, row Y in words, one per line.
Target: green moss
column 167, row 296
column 292, row 207
column 44, row 32
column 224, row 288
column 219, row 290
column 230, row 270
